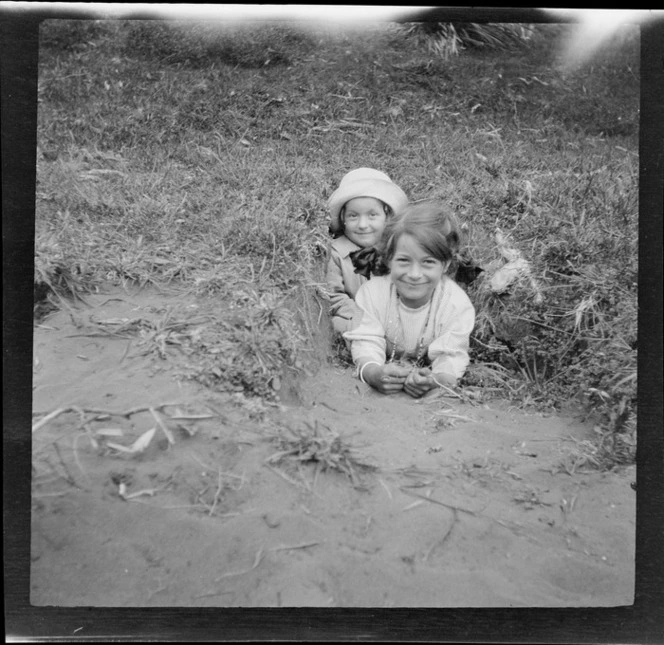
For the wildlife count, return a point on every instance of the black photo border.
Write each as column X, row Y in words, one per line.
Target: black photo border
column 640, row 623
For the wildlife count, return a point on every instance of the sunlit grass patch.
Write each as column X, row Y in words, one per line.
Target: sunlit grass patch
column 164, row 161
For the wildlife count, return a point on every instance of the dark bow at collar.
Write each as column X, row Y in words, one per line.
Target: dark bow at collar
column 365, row 261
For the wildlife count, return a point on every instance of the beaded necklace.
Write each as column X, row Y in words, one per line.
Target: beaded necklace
column 420, row 343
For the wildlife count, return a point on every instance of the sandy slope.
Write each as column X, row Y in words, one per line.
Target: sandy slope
column 472, row 511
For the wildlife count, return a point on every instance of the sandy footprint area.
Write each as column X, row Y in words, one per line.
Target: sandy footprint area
column 150, row 490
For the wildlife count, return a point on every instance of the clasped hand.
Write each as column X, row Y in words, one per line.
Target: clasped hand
column 392, row 378
column 419, row 382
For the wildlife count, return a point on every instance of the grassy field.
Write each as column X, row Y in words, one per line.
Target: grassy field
column 201, row 158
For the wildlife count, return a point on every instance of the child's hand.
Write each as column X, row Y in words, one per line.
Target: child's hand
column 419, row 382
column 440, row 379
column 387, row 379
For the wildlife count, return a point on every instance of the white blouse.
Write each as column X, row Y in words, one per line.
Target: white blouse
column 390, row 330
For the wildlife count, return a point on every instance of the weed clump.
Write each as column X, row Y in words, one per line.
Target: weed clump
column 58, row 277
column 319, row 445
column 248, row 348
column 446, row 39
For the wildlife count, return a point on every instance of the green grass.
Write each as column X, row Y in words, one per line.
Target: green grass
column 203, row 158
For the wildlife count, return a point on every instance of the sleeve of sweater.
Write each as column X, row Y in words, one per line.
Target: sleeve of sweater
column 449, row 351
column 341, row 304
column 368, row 337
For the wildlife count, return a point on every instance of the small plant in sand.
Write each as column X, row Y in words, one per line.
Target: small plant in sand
column 316, row 444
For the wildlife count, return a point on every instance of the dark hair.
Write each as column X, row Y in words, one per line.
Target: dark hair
column 434, row 227
column 340, row 231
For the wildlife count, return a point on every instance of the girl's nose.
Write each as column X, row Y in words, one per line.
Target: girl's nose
column 363, row 221
column 414, row 272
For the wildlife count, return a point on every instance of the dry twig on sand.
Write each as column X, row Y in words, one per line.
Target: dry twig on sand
column 451, row 507
column 163, row 426
column 304, row 545
column 49, row 416
column 512, row 526
column 285, row 477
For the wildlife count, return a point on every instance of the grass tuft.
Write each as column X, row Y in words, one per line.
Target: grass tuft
column 445, row 39
column 59, row 276
column 319, row 445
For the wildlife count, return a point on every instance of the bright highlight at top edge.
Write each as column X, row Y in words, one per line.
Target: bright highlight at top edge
column 601, row 19
column 593, row 27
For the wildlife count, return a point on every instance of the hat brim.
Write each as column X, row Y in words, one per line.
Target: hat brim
column 385, row 191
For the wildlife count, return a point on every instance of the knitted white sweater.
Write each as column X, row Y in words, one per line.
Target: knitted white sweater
column 383, row 326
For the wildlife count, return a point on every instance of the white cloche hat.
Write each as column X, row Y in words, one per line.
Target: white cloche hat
column 364, row 182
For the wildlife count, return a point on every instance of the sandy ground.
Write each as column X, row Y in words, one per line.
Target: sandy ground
column 458, row 505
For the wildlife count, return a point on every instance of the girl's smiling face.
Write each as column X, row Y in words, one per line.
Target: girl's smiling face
column 415, row 272
column 364, row 219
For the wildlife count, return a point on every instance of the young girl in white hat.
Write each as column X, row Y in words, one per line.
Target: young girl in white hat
column 360, row 207
column 415, row 328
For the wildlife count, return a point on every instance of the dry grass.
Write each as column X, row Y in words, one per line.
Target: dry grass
column 445, row 39
column 319, row 445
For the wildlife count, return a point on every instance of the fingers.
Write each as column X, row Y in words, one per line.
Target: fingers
column 418, row 383
column 391, row 375
column 422, row 376
column 415, row 392
column 391, row 388
column 390, row 383
column 396, row 370
column 419, row 380
column 393, row 380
